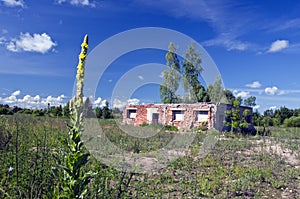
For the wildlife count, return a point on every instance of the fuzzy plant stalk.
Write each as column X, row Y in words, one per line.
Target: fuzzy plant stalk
column 73, row 179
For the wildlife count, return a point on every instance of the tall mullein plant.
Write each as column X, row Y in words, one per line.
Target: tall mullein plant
column 73, row 180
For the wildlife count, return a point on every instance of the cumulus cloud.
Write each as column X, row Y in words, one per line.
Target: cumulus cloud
column 41, row 43
column 272, row 108
column 103, row 103
column 271, row 90
column 254, row 84
column 77, row 2
column 278, row 45
column 13, row 3
column 16, row 93
column 117, row 103
column 133, row 101
column 243, row 94
column 256, row 107
column 97, row 101
column 29, row 101
column 53, row 101
column 10, row 100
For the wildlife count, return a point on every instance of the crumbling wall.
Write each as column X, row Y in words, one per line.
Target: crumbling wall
column 165, row 113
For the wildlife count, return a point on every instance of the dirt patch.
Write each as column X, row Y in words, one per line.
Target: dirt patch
column 267, row 145
column 275, row 148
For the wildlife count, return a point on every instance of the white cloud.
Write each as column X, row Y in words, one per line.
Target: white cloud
column 37, row 98
column 254, row 84
column 256, row 107
column 141, row 77
column 272, row 108
column 117, row 103
column 103, row 103
column 133, row 101
column 77, row 2
column 16, row 93
column 29, row 101
column 53, row 101
column 271, row 90
column 243, row 94
column 97, row 101
column 13, row 3
column 9, row 100
column 41, row 43
column 229, row 44
column 284, row 92
column 278, row 45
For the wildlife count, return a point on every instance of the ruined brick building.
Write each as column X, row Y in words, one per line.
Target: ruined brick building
column 183, row 116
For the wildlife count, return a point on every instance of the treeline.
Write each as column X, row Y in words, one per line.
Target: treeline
column 280, row 117
column 62, row 111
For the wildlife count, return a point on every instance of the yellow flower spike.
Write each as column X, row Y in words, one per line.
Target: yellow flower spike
column 82, row 56
column 80, row 74
column 85, row 46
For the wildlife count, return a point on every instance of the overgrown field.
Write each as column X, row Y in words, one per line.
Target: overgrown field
column 236, row 167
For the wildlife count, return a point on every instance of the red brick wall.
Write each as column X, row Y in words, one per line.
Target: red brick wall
column 165, row 111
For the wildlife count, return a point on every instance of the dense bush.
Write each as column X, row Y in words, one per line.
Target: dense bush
column 292, row 122
column 170, row 128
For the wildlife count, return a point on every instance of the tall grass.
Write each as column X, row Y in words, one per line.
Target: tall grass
column 28, row 152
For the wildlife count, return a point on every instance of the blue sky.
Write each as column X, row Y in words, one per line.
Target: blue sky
column 255, row 45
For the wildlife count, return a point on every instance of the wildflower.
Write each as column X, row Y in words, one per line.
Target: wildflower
column 10, row 169
column 80, row 72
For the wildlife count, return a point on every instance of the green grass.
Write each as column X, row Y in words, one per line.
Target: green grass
column 237, row 166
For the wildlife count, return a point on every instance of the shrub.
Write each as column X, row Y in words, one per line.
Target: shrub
column 144, row 124
column 170, row 128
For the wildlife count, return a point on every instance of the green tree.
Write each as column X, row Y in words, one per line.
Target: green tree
column 106, row 112
column 269, row 113
column 245, row 121
column 256, row 118
column 37, row 112
column 292, row 122
column 5, row 111
column 239, row 99
column 283, row 113
column 233, row 117
column 229, row 96
column 171, row 77
column 191, row 72
column 98, row 112
column 66, row 110
column 56, row 111
column 216, row 91
column 267, row 121
column 250, row 101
